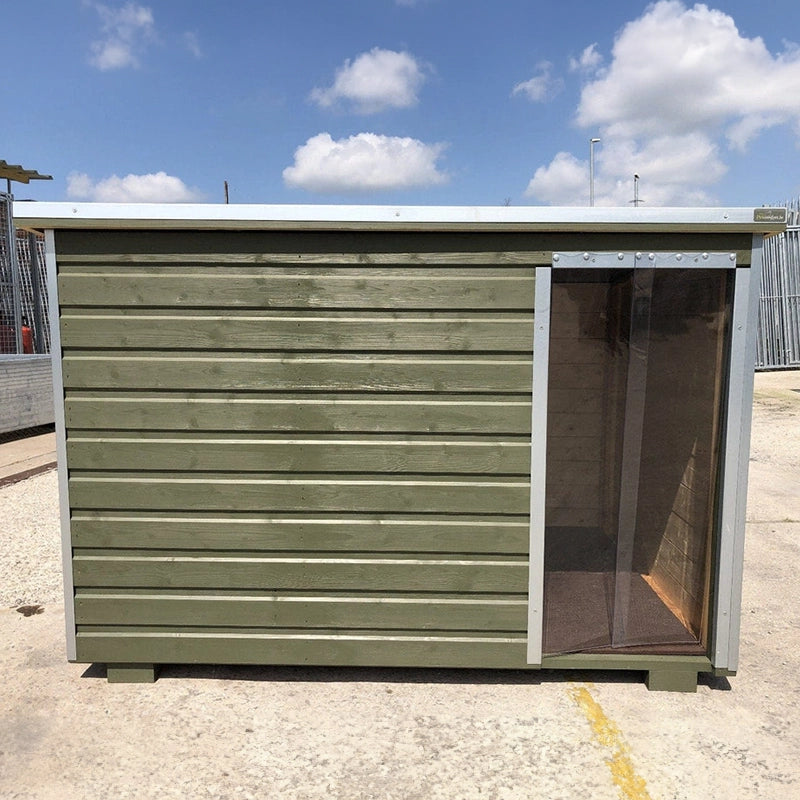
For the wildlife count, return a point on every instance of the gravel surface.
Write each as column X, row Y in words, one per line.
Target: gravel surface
column 30, row 545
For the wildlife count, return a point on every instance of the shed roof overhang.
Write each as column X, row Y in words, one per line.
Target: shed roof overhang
column 196, row 216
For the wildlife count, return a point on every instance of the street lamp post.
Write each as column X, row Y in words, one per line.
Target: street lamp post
column 592, row 143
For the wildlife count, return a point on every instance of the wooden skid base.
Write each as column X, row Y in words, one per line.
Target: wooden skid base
column 132, row 673
column 671, row 680
column 662, row 674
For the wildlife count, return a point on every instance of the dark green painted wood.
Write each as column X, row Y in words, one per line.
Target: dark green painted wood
column 397, row 651
column 227, row 405
column 180, row 411
column 672, row 680
column 131, row 673
column 174, row 531
column 308, row 454
column 209, row 288
column 375, row 494
column 628, row 661
column 325, row 334
column 369, row 263
column 306, row 574
column 219, row 372
column 505, row 652
column 381, row 613
column 366, row 241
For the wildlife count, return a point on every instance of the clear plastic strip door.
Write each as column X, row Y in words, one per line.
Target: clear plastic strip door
column 637, row 364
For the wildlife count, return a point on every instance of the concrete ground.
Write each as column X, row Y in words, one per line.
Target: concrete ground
column 312, row 733
column 26, row 457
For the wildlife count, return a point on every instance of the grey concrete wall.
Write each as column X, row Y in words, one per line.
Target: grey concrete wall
column 26, row 392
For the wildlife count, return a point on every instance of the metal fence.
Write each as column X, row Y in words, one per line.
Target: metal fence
column 778, row 342
column 24, row 322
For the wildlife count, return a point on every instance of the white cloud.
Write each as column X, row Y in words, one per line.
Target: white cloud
column 151, row 188
column 675, row 170
column 699, row 73
column 126, row 32
column 541, row 86
column 364, row 162
column 683, row 89
column 374, row 81
column 191, row 42
column 563, row 179
column 588, row 61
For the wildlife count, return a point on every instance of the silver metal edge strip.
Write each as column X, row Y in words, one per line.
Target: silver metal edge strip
column 541, row 361
column 61, row 443
column 727, row 622
column 645, row 259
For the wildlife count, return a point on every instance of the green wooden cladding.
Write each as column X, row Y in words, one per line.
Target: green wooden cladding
column 298, row 448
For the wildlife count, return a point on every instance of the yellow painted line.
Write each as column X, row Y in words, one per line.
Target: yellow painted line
column 631, row 785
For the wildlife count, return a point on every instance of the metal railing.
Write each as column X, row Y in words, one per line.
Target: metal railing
column 778, row 338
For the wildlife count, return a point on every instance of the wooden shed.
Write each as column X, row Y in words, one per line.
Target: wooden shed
column 445, row 437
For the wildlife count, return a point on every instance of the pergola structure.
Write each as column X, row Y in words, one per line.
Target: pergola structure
column 16, row 172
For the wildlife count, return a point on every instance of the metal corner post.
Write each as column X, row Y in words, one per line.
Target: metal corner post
column 541, row 361
column 725, row 644
column 61, row 443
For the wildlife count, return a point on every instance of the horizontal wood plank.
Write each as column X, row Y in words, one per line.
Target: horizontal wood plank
column 317, row 611
column 501, row 651
column 295, row 260
column 218, row 289
column 178, row 411
column 244, row 454
column 564, row 451
column 379, row 333
column 568, row 425
column 580, row 325
column 303, row 532
column 580, row 353
column 366, row 494
column 574, row 517
column 574, row 495
column 219, row 372
column 584, row 401
column 568, row 376
column 302, row 574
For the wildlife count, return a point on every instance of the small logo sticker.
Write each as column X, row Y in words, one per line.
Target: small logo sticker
column 769, row 215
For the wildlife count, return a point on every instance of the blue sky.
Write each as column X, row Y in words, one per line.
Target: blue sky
column 403, row 101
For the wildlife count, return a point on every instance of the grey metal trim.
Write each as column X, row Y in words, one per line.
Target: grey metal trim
column 541, row 363
column 319, row 217
column 727, row 618
column 642, row 259
column 61, row 444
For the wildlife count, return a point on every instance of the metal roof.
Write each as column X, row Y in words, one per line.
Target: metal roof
column 407, row 218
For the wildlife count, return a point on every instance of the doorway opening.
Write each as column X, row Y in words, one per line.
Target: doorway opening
column 637, row 361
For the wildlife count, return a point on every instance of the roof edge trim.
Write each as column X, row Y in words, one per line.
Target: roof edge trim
column 40, row 216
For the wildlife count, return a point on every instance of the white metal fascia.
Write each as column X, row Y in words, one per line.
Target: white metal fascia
column 40, row 216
